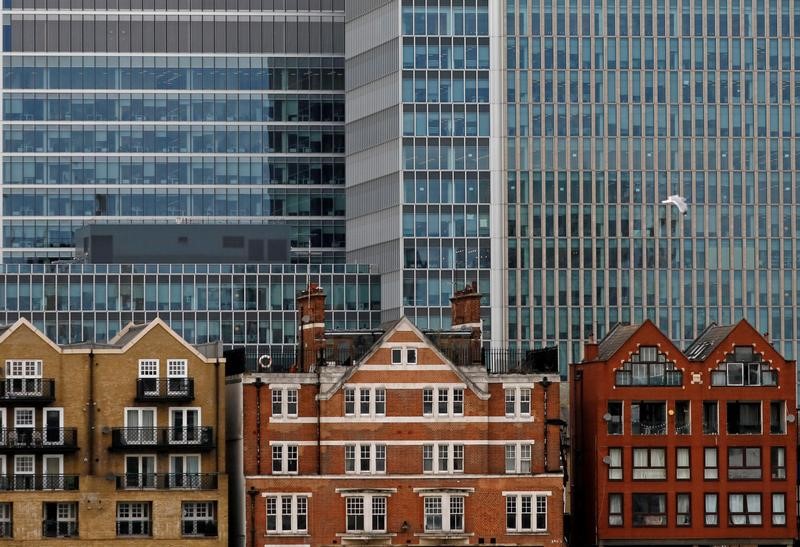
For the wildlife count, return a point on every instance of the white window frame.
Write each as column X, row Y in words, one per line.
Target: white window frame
column 368, row 508
column 536, row 504
column 185, row 479
column 149, row 368
column 520, row 401
column 26, row 470
column 445, row 503
column 288, row 398
column 24, row 411
column 144, row 514
column 24, row 377
column 66, row 513
column 450, row 393
column 404, row 356
column 518, row 453
column 142, row 479
column 377, row 458
column 357, row 396
column 48, row 481
column 441, row 452
column 190, row 513
column 284, row 450
column 177, row 368
column 186, row 436
column 298, row 504
column 141, row 436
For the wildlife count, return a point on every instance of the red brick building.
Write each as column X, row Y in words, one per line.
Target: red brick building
column 400, row 437
column 694, row 447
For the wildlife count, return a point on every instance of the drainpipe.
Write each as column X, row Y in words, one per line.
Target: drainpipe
column 545, row 383
column 252, row 493
column 90, row 411
column 319, row 418
column 220, row 461
column 258, row 383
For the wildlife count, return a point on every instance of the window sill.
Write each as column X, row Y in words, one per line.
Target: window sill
column 365, row 536
column 444, row 535
column 287, row 535
column 531, row 532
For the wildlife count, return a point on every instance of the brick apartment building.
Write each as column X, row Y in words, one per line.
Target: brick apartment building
column 110, row 442
column 694, row 447
column 398, row 437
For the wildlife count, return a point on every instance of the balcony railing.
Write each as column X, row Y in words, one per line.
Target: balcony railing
column 669, row 378
column 29, row 391
column 163, row 438
column 165, row 389
column 47, row 439
column 648, row 428
column 38, row 482
column 59, row 529
column 6, row 530
column 167, row 481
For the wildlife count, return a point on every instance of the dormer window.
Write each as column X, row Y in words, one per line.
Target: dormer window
column 404, row 356
column 744, row 367
column 648, row 367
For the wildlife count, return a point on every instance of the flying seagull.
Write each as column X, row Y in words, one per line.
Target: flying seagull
column 679, row 202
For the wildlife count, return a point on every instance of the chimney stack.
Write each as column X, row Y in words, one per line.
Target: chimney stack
column 591, row 349
column 466, row 315
column 311, row 324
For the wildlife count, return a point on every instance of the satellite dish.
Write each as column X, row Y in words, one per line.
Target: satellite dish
column 265, row 362
column 607, row 460
column 607, row 417
column 305, row 319
column 790, row 418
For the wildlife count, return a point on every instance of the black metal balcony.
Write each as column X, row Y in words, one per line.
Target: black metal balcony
column 19, row 483
column 166, row 390
column 27, row 391
column 59, row 529
column 6, row 530
column 163, row 438
column 167, row 481
column 37, row 440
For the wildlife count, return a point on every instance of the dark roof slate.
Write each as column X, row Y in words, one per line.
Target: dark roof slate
column 614, row 340
column 707, row 342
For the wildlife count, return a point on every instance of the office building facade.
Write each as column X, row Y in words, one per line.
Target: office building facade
column 145, row 111
column 611, row 107
column 597, row 111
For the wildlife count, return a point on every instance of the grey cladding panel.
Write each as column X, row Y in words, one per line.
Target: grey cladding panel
column 373, row 195
column 373, row 130
column 372, row 65
column 137, row 35
column 357, row 8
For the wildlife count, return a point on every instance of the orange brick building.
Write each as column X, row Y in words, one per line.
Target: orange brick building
column 400, row 437
column 694, row 447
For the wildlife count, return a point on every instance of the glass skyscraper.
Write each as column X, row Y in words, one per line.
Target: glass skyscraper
column 611, row 107
column 418, row 128
column 162, row 110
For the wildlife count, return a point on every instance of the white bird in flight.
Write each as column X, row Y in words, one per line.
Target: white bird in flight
column 677, row 201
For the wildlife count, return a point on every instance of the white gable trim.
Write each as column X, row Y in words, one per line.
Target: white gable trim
column 24, row 322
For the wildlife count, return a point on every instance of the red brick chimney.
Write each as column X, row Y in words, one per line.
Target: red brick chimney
column 591, row 349
column 466, row 315
column 311, row 325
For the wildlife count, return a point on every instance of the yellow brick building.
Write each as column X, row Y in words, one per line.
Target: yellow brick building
column 100, row 442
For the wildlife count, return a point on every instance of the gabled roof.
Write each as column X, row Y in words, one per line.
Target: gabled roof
column 8, row 330
column 707, row 341
column 129, row 332
column 614, row 340
column 391, row 328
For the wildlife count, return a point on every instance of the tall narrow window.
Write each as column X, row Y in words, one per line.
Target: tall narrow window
column 777, row 417
column 778, row 462
column 615, row 464
column 615, row 509
column 614, row 418
column 710, row 463
column 710, row 418
column 779, row 509
column 683, row 511
column 682, row 418
column 682, row 463
column 711, row 509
